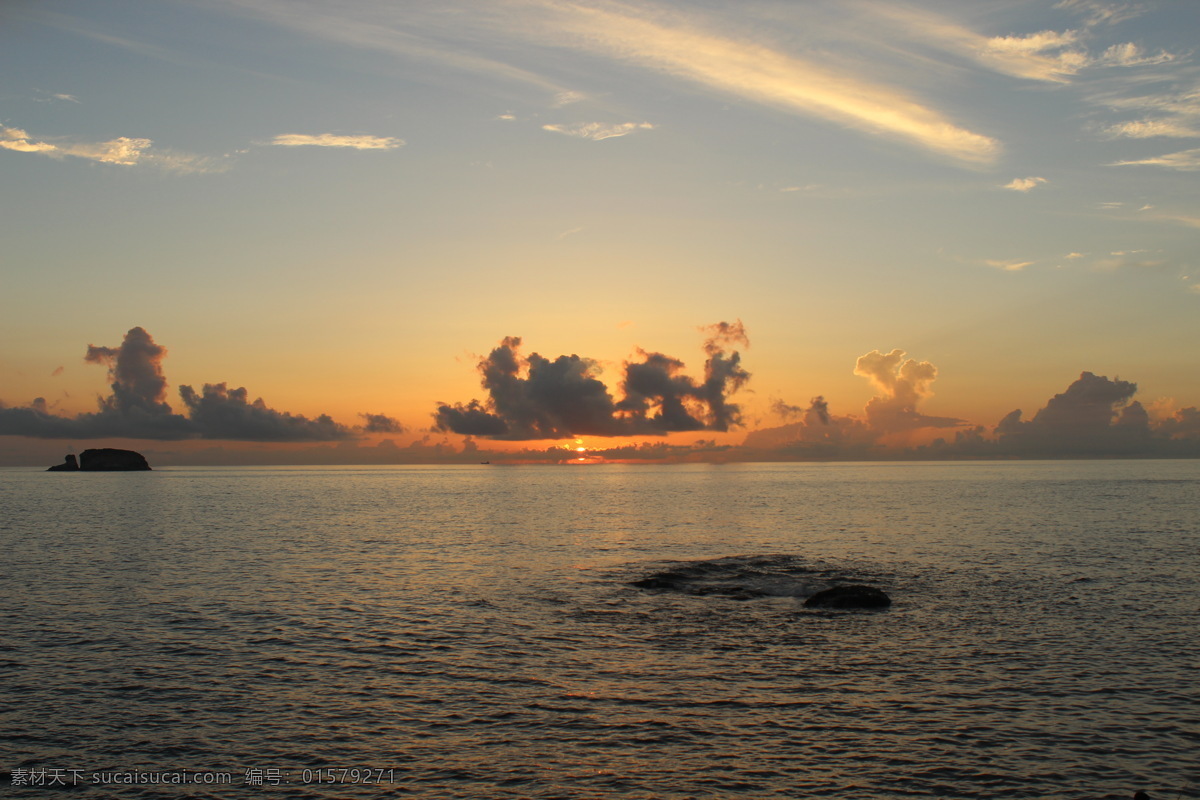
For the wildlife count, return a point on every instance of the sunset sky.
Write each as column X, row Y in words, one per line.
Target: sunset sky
column 344, row 207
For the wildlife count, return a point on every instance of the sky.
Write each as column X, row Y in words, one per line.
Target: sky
column 377, row 231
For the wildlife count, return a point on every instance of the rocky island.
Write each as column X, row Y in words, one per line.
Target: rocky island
column 104, row 459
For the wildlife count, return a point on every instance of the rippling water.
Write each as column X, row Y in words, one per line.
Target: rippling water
column 471, row 632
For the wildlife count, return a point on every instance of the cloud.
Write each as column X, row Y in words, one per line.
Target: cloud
column 902, row 384
column 137, row 407
column 1129, row 54
column 381, row 423
column 1151, row 128
column 683, row 47
column 1098, row 12
column 355, row 142
column 534, row 397
column 1093, row 416
column 1185, row 161
column 1049, row 56
column 218, row 412
column 124, row 151
column 596, row 131
column 567, row 98
column 1010, row 265
column 1024, row 184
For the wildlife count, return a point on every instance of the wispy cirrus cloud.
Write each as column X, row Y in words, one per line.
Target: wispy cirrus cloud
column 686, row 48
column 596, row 131
column 1185, row 161
column 1099, row 12
column 493, row 39
column 1047, row 55
column 354, row 142
column 1024, row 184
column 1174, row 113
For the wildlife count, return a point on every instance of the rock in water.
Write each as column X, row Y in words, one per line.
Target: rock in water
column 108, row 459
column 69, row 465
column 851, row 596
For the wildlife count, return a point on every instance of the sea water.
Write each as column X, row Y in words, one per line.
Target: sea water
column 472, row 631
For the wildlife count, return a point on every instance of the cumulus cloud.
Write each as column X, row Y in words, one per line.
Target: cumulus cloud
column 354, row 142
column 534, row 397
column 137, row 407
column 890, row 420
column 1185, row 160
column 598, row 131
column 1024, row 184
column 902, row 384
column 1093, row 416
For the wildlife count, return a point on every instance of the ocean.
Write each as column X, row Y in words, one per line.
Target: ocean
column 474, row 631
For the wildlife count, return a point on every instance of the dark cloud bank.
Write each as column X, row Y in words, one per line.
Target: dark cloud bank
column 138, row 408
column 1096, row 417
column 533, row 397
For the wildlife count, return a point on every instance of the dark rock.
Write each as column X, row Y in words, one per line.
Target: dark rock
column 108, row 459
column 851, row 596
column 69, row 465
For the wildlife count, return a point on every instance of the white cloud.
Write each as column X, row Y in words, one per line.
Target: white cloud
column 506, row 117
column 1185, row 160
column 355, row 142
column 1073, row 255
column 1024, row 184
column 597, row 131
column 1009, row 266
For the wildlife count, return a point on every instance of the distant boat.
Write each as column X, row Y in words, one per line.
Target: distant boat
column 485, row 462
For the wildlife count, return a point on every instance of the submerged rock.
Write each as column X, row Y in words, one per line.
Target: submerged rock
column 69, row 465
column 737, row 577
column 849, row 596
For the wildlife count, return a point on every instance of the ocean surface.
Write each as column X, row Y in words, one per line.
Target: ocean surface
column 472, row 632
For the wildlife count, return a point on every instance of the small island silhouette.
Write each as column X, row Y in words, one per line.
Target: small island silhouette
column 105, row 459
